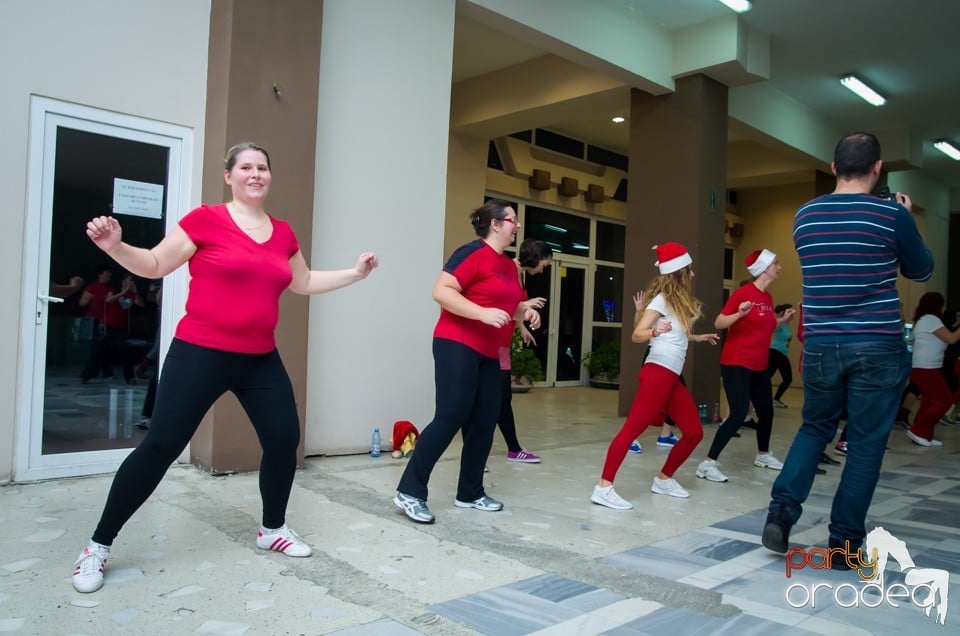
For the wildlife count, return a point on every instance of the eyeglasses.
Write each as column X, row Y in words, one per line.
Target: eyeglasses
column 508, row 219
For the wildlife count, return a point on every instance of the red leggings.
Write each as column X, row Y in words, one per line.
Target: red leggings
column 935, row 400
column 659, row 394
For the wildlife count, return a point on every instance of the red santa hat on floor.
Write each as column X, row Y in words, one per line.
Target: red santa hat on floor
column 672, row 257
column 759, row 261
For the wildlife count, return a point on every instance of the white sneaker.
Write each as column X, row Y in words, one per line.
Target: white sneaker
column 88, row 569
column 922, row 441
column 708, row 470
column 668, row 487
column 283, row 540
column 608, row 497
column 767, row 461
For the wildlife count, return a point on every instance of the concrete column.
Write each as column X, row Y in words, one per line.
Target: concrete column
column 678, row 146
column 255, row 46
column 382, row 137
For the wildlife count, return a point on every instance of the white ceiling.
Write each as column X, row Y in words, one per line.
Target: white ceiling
column 906, row 49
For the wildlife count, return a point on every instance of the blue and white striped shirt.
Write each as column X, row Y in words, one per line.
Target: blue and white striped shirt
column 851, row 247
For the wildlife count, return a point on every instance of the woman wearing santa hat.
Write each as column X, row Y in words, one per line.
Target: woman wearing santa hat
column 751, row 321
column 665, row 324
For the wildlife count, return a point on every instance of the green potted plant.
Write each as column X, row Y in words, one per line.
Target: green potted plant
column 524, row 364
column 603, row 363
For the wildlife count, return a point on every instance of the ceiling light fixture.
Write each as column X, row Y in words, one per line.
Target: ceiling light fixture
column 858, row 86
column 947, row 148
column 618, row 119
column 738, row 5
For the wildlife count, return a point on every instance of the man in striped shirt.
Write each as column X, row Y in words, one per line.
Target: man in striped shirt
column 851, row 245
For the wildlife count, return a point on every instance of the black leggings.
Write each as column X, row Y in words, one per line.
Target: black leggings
column 468, row 397
column 742, row 387
column 778, row 361
column 506, row 423
column 193, row 378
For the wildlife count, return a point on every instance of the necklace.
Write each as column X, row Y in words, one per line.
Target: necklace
column 249, row 230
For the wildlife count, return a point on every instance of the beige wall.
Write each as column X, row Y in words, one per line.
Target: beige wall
column 466, row 185
column 84, row 57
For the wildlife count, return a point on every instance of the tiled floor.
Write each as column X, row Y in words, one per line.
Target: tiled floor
column 550, row 563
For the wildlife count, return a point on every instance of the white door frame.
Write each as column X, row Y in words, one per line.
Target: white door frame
column 45, row 116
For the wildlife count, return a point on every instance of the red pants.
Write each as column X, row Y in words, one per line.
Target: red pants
column 659, row 394
column 935, row 400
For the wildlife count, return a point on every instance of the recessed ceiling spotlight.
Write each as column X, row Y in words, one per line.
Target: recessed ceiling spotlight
column 738, row 5
column 947, row 148
column 618, row 119
column 860, row 87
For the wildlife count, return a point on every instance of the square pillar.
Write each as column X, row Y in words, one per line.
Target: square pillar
column 678, row 171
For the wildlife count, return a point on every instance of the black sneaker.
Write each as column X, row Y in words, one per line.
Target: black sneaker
column 776, row 531
column 830, row 461
column 750, row 423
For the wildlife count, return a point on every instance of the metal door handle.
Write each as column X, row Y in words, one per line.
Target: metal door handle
column 49, row 299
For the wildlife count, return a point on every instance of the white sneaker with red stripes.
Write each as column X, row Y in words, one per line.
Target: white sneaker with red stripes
column 284, row 540
column 88, row 568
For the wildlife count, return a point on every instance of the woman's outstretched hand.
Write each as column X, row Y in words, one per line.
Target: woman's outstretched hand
column 366, row 263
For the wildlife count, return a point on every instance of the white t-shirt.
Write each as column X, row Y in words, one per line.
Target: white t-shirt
column 668, row 349
column 927, row 348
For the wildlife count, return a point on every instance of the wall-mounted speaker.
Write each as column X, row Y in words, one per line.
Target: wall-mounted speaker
column 594, row 194
column 568, row 187
column 539, row 180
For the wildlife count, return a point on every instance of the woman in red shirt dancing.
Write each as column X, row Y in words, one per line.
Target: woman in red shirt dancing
column 750, row 320
column 241, row 259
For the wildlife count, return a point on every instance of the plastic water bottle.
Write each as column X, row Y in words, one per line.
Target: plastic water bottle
column 375, row 443
column 703, row 412
column 716, row 413
column 908, row 336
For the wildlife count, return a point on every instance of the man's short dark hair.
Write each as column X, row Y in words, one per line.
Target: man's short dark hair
column 856, row 154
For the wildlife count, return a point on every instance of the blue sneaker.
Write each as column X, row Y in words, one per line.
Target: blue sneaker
column 668, row 441
column 635, row 448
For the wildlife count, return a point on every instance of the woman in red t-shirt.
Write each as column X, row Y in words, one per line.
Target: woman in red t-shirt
column 750, row 320
column 116, row 319
column 94, row 300
column 241, row 259
column 480, row 298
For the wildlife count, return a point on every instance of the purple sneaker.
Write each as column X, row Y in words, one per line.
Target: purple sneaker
column 522, row 456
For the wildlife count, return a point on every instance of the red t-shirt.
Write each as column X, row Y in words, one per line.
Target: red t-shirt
column 115, row 316
column 488, row 279
column 748, row 339
column 233, row 302
column 98, row 291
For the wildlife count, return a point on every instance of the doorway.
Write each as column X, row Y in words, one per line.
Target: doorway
column 560, row 339
column 87, row 325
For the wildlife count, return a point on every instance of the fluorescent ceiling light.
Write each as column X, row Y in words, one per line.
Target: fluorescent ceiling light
column 855, row 84
column 618, row 119
column 738, row 5
column 947, row 148
column 555, row 228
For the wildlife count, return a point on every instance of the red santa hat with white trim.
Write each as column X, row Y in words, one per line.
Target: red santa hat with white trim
column 759, row 261
column 672, row 257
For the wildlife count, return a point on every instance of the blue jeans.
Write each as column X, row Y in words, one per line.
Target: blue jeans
column 868, row 378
